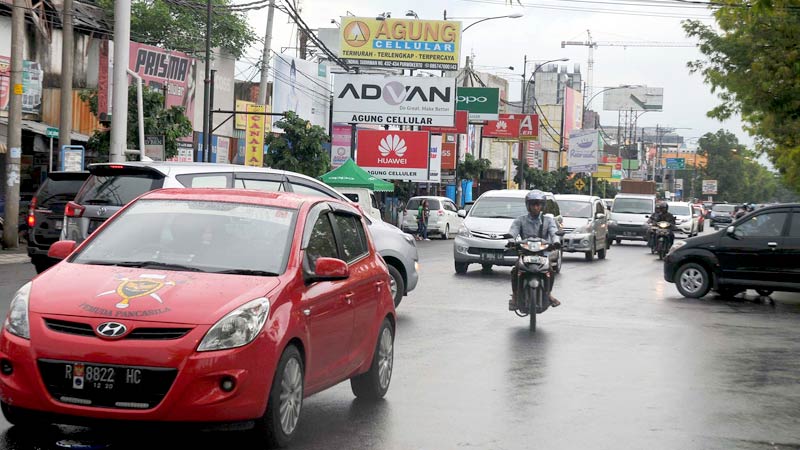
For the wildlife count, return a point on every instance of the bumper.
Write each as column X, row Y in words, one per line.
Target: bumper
column 434, row 227
column 194, row 395
column 483, row 251
column 685, row 228
column 670, row 266
column 628, row 232
column 577, row 242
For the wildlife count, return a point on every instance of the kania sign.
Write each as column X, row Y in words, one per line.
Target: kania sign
column 460, row 127
column 528, row 125
column 502, row 128
column 394, row 154
column 381, row 100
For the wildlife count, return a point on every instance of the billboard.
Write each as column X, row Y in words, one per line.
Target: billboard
column 528, row 125
column 241, row 119
column 573, row 112
column 32, row 75
column 340, row 144
column 448, row 156
column 303, row 87
column 435, row 172
column 584, row 146
column 502, row 128
column 709, row 187
column 393, row 100
column 400, row 43
column 636, row 98
column 254, row 149
column 394, row 154
column 481, row 103
column 165, row 70
column 460, row 127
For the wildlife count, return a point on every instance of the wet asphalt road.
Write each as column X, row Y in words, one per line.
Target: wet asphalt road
column 625, row 362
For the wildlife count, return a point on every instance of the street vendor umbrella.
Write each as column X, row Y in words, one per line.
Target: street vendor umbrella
column 350, row 175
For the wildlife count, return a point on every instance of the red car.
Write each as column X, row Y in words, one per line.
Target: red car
column 202, row 306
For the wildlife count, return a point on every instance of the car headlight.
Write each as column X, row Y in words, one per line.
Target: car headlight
column 464, row 232
column 582, row 230
column 237, row 328
column 17, row 320
column 612, row 223
column 677, row 245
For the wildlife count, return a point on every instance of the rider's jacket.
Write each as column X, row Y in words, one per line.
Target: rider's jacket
column 528, row 226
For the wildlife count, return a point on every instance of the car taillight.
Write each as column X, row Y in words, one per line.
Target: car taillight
column 116, row 166
column 441, row 213
column 73, row 210
column 31, row 216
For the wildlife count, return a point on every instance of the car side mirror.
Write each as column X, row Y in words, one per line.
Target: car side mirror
column 599, row 216
column 462, row 213
column 731, row 231
column 330, row 269
column 61, row 249
column 647, row 216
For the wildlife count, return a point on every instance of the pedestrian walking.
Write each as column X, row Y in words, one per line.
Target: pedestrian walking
column 422, row 221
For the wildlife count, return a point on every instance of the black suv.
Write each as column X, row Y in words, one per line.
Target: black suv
column 46, row 214
column 760, row 251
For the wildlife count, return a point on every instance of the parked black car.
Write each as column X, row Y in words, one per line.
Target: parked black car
column 46, row 214
column 760, row 251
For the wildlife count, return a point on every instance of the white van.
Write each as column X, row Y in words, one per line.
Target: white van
column 365, row 198
column 629, row 215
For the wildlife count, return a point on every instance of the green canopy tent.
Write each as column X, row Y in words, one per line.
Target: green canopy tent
column 350, row 175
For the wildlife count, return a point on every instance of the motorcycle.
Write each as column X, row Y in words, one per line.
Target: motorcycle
column 533, row 274
column 662, row 231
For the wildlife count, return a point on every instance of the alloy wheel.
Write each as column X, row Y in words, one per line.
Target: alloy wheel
column 691, row 280
column 291, row 399
column 385, row 358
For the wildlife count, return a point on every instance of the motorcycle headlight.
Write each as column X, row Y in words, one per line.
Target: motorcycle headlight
column 464, row 232
column 17, row 320
column 237, row 328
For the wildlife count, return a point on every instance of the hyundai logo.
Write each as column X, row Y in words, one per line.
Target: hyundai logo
column 111, row 329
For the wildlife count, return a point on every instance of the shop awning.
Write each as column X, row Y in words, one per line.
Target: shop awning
column 34, row 127
column 350, row 175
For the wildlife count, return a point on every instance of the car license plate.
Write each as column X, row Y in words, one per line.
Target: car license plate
column 630, row 233
column 59, row 224
column 491, row 256
column 100, row 378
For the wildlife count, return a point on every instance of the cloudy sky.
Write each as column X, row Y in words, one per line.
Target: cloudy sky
column 505, row 42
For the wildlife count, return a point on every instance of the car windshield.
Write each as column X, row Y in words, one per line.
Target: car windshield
column 722, row 208
column 117, row 190
column 680, row 210
column 196, row 236
column 575, row 208
column 413, row 204
column 499, row 208
column 633, row 206
column 56, row 193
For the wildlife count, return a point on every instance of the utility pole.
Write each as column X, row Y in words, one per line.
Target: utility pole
column 207, row 87
column 10, row 230
column 119, row 101
column 459, row 190
column 67, row 53
column 262, row 86
column 521, row 148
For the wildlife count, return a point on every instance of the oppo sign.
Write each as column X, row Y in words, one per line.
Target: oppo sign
column 481, row 103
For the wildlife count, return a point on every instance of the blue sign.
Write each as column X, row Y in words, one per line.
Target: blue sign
column 72, row 158
column 676, row 163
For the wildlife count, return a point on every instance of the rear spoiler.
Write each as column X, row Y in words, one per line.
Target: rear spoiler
column 108, row 169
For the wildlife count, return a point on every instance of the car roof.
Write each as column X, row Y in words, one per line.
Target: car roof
column 586, row 198
column 431, row 197
column 277, row 199
column 635, row 195
column 514, row 193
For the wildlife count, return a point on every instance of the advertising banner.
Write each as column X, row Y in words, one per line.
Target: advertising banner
column 481, row 103
column 462, row 120
column 573, row 111
column 528, row 125
column 32, row 75
column 503, row 128
column 340, row 144
column 241, row 119
column 300, row 86
column 616, row 161
column 435, row 172
column 448, row 156
column 679, row 184
column 394, row 154
column 405, row 43
column 394, row 100
column 154, row 147
column 165, row 70
column 584, row 146
column 254, row 150
column 709, row 187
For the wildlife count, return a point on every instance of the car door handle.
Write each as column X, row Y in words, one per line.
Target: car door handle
column 348, row 298
column 772, row 245
column 379, row 285
column 307, row 312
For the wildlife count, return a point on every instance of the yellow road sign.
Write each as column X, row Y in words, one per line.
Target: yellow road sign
column 580, row 184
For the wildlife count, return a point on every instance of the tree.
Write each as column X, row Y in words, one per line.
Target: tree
column 472, row 168
column 180, row 25
column 171, row 122
column 299, row 148
column 753, row 63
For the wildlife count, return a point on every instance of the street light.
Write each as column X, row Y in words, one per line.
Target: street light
column 411, row 13
column 509, row 16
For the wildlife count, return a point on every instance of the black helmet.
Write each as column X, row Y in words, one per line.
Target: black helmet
column 535, row 196
column 663, row 206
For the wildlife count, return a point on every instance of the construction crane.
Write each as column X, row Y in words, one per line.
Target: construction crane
column 592, row 44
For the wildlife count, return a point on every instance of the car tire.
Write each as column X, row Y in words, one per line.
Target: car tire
column 461, row 268
column 374, row 384
column 764, row 292
column 19, row 417
column 446, row 234
column 396, row 285
column 608, row 243
column 601, row 254
column 590, row 254
column 692, row 280
column 270, row 429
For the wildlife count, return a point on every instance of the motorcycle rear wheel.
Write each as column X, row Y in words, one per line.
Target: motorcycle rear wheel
column 536, row 299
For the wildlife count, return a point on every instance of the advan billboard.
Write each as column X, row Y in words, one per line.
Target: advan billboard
column 394, row 154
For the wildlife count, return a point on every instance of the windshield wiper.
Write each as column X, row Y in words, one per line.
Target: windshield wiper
column 150, row 264
column 258, row 273
column 497, row 217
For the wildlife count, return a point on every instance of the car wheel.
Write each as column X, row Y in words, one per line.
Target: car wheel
column 461, row 268
column 279, row 422
column 373, row 384
column 446, row 234
column 764, row 292
column 608, row 243
column 692, row 280
column 396, row 285
column 601, row 254
column 590, row 254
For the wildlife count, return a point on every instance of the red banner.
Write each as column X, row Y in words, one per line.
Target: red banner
column 448, row 156
column 460, row 127
column 528, row 124
column 615, row 160
column 502, row 128
column 394, row 154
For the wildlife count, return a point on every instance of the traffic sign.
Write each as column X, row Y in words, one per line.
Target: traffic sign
column 52, row 132
column 676, row 163
column 679, row 184
column 580, row 184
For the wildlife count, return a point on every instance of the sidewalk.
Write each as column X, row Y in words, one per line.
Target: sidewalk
column 15, row 256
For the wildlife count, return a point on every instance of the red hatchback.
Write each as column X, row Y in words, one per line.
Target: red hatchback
column 202, row 305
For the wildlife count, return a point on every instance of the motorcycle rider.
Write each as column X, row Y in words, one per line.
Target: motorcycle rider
column 661, row 214
column 532, row 225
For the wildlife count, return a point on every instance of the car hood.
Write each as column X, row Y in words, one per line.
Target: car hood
column 575, row 222
column 147, row 295
column 488, row 225
column 630, row 219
